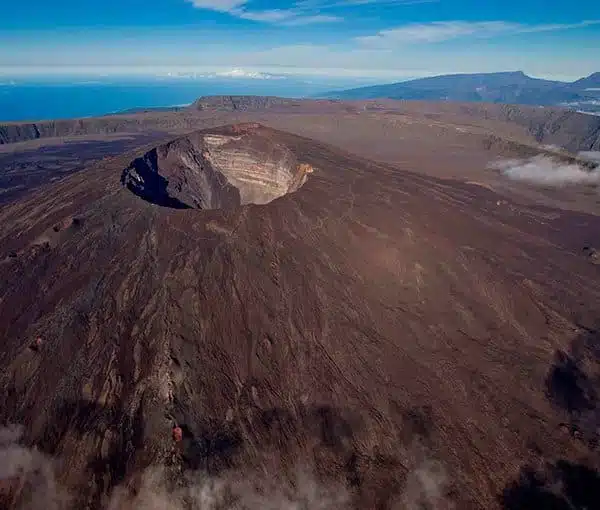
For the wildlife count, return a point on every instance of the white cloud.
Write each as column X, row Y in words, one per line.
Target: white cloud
column 438, row 31
column 268, row 16
column 309, row 20
column 307, row 10
column 219, row 5
column 593, row 156
column 235, row 73
column 211, row 71
column 302, row 12
column 288, row 17
column 252, row 75
column 296, row 15
column 546, row 171
column 333, row 4
column 206, row 52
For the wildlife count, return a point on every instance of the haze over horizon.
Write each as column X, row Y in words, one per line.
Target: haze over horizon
column 375, row 39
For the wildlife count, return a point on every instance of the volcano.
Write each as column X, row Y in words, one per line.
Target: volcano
column 209, row 171
column 240, row 305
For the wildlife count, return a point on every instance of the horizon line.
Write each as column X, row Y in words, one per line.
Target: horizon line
column 179, row 72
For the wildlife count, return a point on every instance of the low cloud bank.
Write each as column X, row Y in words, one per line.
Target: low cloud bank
column 547, row 171
column 28, row 481
column 425, row 487
column 230, row 492
column 27, row 476
column 590, row 156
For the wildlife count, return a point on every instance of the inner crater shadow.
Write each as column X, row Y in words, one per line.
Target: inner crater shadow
column 224, row 169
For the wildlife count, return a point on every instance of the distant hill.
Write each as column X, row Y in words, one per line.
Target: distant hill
column 592, row 81
column 242, row 103
column 150, row 109
column 506, row 87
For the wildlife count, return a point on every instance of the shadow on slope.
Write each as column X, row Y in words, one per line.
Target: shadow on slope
column 572, row 387
column 155, row 185
column 560, row 486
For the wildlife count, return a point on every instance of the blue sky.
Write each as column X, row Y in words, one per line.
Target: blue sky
column 370, row 38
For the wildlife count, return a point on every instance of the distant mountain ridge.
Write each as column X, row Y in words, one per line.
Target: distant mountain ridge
column 593, row 80
column 257, row 103
column 503, row 87
column 556, row 126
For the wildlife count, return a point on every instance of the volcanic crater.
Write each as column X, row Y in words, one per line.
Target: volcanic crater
column 238, row 166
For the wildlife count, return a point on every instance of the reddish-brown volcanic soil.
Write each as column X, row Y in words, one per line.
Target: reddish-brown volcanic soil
column 403, row 340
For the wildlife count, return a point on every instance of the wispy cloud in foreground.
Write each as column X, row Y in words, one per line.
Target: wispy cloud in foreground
column 29, row 471
column 32, row 480
column 546, row 171
column 439, row 31
column 295, row 15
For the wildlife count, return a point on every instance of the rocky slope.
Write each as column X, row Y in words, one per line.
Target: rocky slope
column 572, row 130
column 375, row 339
column 19, row 132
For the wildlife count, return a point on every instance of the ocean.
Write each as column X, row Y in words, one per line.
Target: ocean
column 22, row 100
